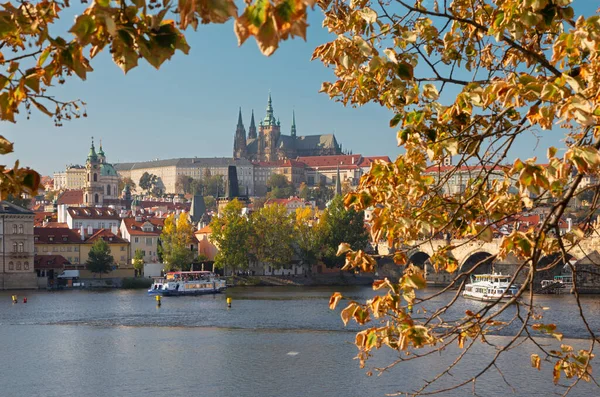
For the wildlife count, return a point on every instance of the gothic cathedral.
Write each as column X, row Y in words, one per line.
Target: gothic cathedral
column 270, row 145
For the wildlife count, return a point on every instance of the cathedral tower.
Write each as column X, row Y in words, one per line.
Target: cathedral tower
column 269, row 132
column 239, row 143
column 252, row 129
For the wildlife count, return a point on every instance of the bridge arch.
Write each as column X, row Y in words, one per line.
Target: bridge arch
column 480, row 261
column 553, row 265
column 421, row 260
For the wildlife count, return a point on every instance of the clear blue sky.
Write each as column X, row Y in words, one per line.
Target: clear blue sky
column 189, row 108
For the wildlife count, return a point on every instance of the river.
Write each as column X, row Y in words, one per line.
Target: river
column 274, row 341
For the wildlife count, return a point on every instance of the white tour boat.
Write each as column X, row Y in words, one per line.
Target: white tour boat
column 187, row 283
column 490, row 287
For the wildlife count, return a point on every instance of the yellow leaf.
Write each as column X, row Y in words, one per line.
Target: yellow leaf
column 343, row 248
column 333, row 301
column 535, row 361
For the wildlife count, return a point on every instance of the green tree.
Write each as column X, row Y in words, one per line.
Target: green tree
column 138, row 262
column 176, row 240
column 126, row 181
column 197, row 186
column 340, row 225
column 308, row 236
column 210, row 203
column 272, row 235
column 230, row 233
column 183, row 184
column 304, row 192
column 214, row 186
column 148, row 182
column 279, row 187
column 99, row 259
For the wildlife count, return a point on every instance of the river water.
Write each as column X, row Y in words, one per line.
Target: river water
column 277, row 341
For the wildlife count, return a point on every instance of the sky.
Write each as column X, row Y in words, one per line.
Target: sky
column 190, row 106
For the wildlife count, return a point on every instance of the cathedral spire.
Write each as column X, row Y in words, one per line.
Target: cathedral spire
column 269, row 118
column 92, row 154
column 252, row 129
column 240, row 123
column 239, row 141
column 293, row 124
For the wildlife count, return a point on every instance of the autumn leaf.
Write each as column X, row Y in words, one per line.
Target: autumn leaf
column 333, row 301
column 535, row 361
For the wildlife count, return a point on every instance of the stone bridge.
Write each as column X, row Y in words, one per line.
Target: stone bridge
column 470, row 254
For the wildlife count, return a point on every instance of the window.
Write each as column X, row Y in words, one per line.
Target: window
column 35, row 249
column 45, row 249
column 21, row 247
column 15, row 247
column 122, row 248
column 11, row 266
column 54, row 249
column 14, row 229
column 136, row 239
column 18, row 265
column 20, row 229
column 69, row 249
column 108, row 190
column 96, row 180
column 95, row 195
column 75, row 260
column 122, row 257
column 76, row 249
column 26, row 265
column 148, row 240
column 62, row 249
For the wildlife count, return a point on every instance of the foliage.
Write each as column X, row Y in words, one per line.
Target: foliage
column 340, row 225
column 258, row 202
column 230, row 233
column 214, row 186
column 196, row 186
column 465, row 80
column 176, row 238
column 304, row 191
column 308, row 238
column 50, row 195
column 138, row 261
column 183, row 184
column 126, row 181
column 272, row 235
column 279, row 187
column 99, row 259
column 148, row 182
column 211, row 203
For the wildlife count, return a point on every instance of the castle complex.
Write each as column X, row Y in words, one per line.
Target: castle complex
column 269, row 144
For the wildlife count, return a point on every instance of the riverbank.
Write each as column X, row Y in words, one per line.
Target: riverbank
column 340, row 279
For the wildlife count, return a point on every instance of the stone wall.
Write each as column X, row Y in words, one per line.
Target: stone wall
column 18, row 281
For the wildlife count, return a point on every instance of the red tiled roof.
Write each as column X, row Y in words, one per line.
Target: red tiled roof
column 71, row 197
column 366, row 161
column 350, row 161
column 280, row 163
column 135, row 227
column 107, row 236
column 55, row 225
column 40, row 217
column 49, row 262
column 92, row 213
column 205, row 230
column 44, row 235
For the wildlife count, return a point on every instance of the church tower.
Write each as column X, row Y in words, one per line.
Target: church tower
column 92, row 188
column 239, row 143
column 269, row 132
column 252, row 129
column 293, row 132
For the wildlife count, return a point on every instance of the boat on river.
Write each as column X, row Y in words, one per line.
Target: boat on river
column 490, row 287
column 187, row 283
